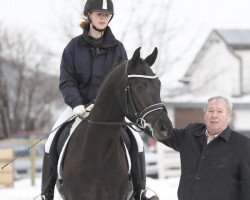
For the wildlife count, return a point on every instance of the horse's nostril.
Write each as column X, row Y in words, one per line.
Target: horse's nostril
column 165, row 131
column 162, row 128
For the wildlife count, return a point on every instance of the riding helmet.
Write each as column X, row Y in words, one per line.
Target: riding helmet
column 99, row 6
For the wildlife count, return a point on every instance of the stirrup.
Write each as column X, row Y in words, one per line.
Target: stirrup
column 39, row 197
column 149, row 194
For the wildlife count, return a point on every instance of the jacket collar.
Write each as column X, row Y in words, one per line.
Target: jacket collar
column 226, row 134
column 108, row 38
column 200, row 131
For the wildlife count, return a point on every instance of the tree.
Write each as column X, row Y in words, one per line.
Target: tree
column 151, row 24
column 27, row 92
column 4, row 104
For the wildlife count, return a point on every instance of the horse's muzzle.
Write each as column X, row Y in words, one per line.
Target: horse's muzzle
column 162, row 127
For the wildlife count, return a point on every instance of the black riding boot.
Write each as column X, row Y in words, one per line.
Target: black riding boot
column 138, row 168
column 49, row 177
column 138, row 173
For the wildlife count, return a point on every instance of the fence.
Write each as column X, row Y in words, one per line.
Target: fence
column 26, row 163
column 7, row 173
column 168, row 162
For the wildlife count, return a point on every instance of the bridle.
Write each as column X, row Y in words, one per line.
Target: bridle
column 140, row 117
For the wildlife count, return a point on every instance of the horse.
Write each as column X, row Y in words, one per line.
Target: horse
column 95, row 166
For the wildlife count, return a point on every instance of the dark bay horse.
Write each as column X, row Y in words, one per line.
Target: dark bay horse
column 95, row 166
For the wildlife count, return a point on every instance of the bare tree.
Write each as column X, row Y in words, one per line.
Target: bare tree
column 68, row 22
column 4, row 103
column 27, row 93
column 155, row 24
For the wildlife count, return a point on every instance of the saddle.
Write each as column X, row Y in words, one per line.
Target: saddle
column 59, row 141
column 64, row 133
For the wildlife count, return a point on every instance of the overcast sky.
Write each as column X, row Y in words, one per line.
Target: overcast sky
column 40, row 16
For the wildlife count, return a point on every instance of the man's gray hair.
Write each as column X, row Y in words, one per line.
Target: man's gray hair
column 227, row 101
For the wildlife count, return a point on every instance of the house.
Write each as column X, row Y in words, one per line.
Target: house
column 221, row 67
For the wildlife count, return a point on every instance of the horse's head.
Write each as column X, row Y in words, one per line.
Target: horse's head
column 142, row 103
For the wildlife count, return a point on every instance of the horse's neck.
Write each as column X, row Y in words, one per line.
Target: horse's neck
column 105, row 138
column 106, row 113
column 106, row 107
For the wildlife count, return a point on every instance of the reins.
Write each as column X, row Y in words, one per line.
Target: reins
column 123, row 123
column 107, row 123
column 140, row 122
column 22, row 153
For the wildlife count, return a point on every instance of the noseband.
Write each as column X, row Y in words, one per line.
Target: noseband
column 140, row 117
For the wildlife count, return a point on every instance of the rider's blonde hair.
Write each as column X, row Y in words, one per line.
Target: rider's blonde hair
column 84, row 22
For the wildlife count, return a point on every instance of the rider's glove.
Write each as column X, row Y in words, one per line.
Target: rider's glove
column 79, row 111
column 89, row 108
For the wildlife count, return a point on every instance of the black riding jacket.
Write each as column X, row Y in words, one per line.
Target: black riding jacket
column 85, row 63
column 219, row 170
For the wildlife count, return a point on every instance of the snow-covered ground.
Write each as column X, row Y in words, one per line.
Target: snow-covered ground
column 22, row 190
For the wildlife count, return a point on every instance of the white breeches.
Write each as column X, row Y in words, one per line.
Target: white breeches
column 67, row 113
column 138, row 139
column 137, row 136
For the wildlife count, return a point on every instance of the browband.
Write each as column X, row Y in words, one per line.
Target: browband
column 141, row 76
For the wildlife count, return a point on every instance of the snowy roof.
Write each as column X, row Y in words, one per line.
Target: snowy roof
column 189, row 100
column 233, row 38
column 236, row 38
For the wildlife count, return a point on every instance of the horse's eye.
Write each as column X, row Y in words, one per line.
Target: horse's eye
column 139, row 89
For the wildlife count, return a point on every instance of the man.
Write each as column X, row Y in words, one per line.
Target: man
column 215, row 160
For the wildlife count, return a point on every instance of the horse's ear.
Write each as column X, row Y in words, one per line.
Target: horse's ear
column 135, row 57
column 150, row 60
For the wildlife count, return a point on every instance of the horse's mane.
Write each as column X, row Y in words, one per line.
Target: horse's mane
column 114, row 75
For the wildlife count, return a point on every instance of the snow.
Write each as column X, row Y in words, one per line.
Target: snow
column 22, row 190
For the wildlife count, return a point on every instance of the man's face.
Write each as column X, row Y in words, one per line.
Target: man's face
column 216, row 116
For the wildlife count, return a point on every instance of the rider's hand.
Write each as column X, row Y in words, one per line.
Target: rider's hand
column 79, row 111
column 89, row 108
